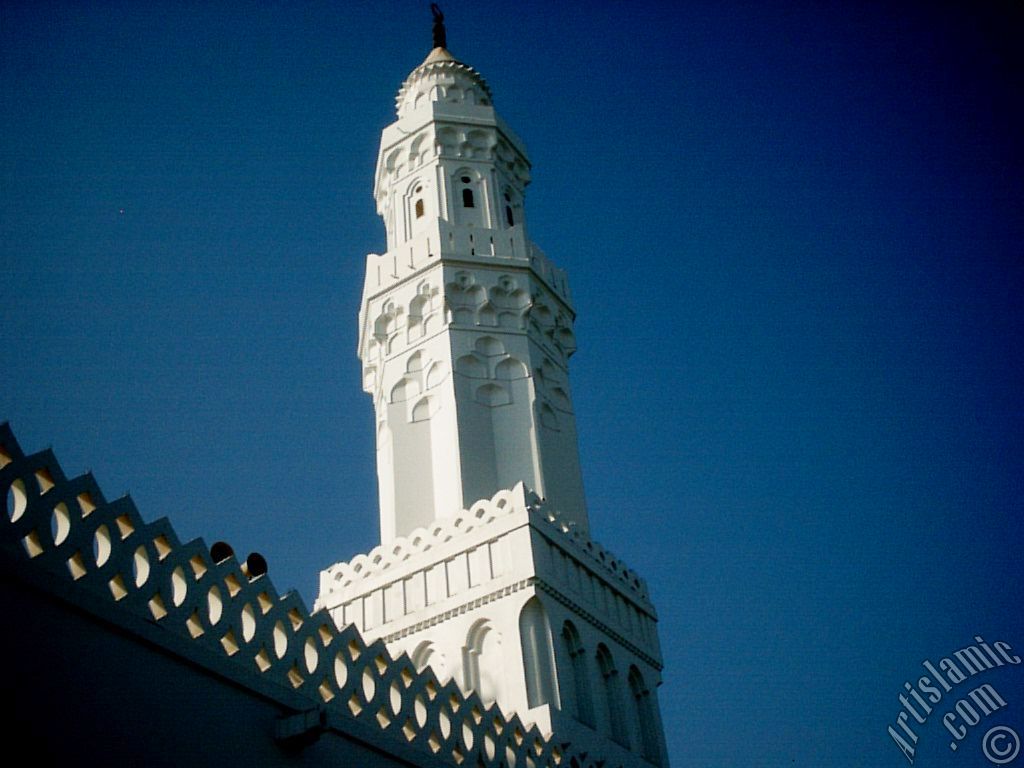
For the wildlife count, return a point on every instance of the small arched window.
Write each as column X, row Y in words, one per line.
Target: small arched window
column 467, row 198
column 509, row 217
column 612, row 696
column 645, row 716
column 418, row 207
column 580, row 676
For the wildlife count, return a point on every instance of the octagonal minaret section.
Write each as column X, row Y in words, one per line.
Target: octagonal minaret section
column 466, row 328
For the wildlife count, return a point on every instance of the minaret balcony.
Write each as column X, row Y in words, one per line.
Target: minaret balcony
column 442, row 242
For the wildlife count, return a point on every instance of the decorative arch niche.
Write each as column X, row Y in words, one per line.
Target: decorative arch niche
column 427, row 655
column 538, row 655
column 482, row 661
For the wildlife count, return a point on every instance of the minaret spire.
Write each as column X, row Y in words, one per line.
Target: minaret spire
column 439, row 32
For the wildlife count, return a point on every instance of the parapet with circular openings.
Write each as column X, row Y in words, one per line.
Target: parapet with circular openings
column 75, row 540
column 341, row 576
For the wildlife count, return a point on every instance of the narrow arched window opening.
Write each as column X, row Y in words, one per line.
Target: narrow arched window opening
column 645, row 716
column 579, row 675
column 419, row 209
column 467, row 198
column 612, row 696
column 508, row 216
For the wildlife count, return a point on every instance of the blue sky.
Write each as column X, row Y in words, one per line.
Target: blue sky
column 794, row 235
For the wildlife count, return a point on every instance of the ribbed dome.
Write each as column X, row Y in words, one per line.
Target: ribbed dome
column 441, row 78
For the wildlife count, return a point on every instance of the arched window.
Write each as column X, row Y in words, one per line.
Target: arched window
column 612, row 696
column 508, row 209
column 538, row 658
column 469, row 189
column 418, row 207
column 645, row 716
column 578, row 669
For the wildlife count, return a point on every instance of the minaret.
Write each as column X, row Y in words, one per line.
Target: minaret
column 466, row 328
column 486, row 572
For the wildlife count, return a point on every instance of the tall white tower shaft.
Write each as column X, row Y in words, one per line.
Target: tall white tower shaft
column 465, row 326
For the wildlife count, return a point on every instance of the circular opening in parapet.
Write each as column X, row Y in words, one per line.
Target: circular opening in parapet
column 221, row 551
column 256, row 565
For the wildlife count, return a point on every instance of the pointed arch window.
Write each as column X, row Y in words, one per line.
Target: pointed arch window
column 612, row 696
column 580, row 679
column 645, row 716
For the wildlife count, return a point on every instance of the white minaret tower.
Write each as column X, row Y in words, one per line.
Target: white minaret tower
column 465, row 326
column 486, row 572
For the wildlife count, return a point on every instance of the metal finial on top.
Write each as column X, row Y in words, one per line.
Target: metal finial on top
column 440, row 35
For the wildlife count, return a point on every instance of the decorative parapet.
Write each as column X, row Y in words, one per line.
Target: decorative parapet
column 341, row 576
column 384, row 556
column 594, row 552
column 71, row 538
